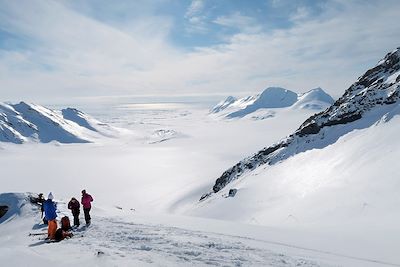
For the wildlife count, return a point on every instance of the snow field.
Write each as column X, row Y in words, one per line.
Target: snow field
column 123, row 238
column 328, row 213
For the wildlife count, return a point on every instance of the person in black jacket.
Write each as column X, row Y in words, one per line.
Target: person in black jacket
column 74, row 206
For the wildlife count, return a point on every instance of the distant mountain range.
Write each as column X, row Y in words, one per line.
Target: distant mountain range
column 23, row 122
column 374, row 97
column 272, row 97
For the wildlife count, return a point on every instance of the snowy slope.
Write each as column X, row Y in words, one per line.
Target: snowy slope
column 126, row 238
column 314, row 99
column 371, row 98
column 349, row 189
column 20, row 123
column 86, row 121
column 337, row 173
column 223, row 104
column 271, row 98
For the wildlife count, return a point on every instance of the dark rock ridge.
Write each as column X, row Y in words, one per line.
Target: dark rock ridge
column 3, row 210
column 378, row 88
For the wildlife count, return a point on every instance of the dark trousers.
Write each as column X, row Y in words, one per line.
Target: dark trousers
column 76, row 219
column 87, row 215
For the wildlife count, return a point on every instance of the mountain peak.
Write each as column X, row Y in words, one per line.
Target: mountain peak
column 391, row 57
column 316, row 99
column 223, row 104
column 272, row 97
column 277, row 97
column 379, row 85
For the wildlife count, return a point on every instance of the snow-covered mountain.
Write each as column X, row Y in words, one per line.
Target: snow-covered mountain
column 270, row 98
column 316, row 99
column 23, row 122
column 373, row 98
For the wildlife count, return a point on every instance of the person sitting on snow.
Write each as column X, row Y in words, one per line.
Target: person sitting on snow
column 61, row 234
column 50, row 215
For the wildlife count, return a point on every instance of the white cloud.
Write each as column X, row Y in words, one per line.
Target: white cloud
column 73, row 55
column 197, row 21
column 195, row 8
column 302, row 13
column 240, row 22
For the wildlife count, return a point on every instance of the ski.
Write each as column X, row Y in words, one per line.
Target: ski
column 34, row 234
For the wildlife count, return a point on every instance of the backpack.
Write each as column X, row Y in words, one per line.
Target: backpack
column 65, row 224
column 59, row 235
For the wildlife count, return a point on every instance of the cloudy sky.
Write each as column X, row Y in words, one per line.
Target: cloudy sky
column 69, row 49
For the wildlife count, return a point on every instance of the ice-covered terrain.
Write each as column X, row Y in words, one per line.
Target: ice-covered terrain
column 271, row 98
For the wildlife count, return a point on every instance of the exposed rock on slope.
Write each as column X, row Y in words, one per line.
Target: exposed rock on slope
column 24, row 122
column 375, row 93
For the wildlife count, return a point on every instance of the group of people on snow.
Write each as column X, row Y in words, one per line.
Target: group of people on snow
column 49, row 208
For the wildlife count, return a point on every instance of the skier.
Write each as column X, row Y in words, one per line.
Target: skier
column 74, row 206
column 50, row 214
column 86, row 199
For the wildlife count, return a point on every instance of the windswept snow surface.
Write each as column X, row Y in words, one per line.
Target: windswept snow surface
column 127, row 238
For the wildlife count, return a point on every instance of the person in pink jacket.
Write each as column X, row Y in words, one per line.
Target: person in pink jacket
column 86, row 204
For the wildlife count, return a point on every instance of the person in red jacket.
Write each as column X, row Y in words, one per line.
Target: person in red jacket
column 86, row 204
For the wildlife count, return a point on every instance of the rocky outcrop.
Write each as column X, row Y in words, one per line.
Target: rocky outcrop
column 3, row 210
column 378, row 87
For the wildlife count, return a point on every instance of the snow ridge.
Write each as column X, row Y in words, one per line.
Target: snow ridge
column 373, row 96
column 223, row 104
column 22, row 122
column 314, row 99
